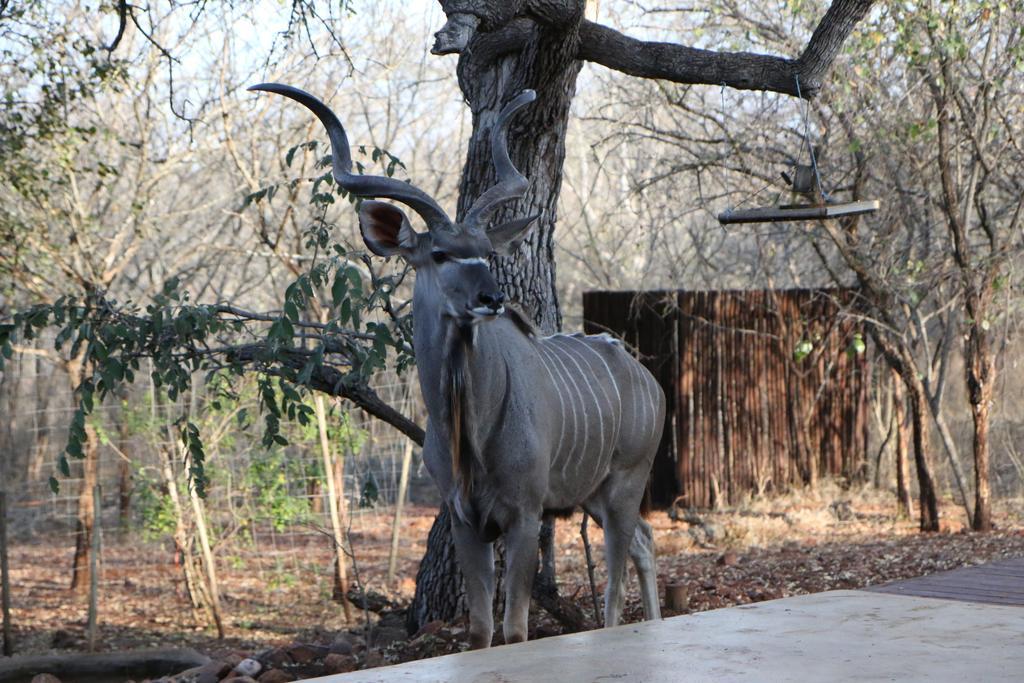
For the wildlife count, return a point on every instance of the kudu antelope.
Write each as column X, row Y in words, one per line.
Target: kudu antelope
column 518, row 424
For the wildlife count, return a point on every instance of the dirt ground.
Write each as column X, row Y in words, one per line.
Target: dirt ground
column 278, row 593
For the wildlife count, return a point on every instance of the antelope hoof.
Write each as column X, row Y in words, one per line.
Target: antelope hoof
column 479, row 641
column 515, row 638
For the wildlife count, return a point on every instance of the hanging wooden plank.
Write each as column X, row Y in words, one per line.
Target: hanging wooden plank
column 797, row 212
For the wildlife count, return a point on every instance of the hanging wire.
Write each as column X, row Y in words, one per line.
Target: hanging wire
column 807, row 137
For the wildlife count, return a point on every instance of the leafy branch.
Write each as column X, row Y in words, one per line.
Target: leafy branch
column 361, row 331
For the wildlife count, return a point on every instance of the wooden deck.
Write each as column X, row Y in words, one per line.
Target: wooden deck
column 998, row 583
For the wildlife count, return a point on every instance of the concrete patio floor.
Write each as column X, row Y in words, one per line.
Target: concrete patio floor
column 834, row 636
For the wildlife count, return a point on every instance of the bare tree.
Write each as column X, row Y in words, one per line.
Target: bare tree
column 505, row 47
column 923, row 123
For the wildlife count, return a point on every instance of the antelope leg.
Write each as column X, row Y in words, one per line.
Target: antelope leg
column 521, row 541
column 476, row 560
column 641, row 549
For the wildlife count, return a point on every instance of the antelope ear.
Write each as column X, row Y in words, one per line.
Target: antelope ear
column 386, row 229
column 507, row 237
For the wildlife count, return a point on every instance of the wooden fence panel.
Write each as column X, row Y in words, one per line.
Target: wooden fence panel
column 765, row 390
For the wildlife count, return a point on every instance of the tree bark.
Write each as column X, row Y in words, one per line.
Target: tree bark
column 903, row 504
column 928, row 501
column 87, row 513
column 208, row 561
column 125, row 484
column 900, row 360
column 396, row 523
column 980, row 370
column 439, row 591
column 977, row 275
column 92, row 618
column 803, row 76
column 334, row 503
column 5, row 578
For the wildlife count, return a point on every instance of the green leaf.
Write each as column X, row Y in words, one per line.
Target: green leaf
column 802, row 350
column 287, row 330
column 340, row 288
column 54, row 485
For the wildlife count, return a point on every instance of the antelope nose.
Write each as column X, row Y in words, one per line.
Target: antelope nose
column 492, row 300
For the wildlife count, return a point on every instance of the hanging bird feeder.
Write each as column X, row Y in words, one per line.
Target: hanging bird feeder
column 811, row 202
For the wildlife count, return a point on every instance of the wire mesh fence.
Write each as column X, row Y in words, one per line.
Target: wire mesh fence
column 267, row 509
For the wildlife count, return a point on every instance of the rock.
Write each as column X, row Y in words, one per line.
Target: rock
column 247, row 667
column 233, row 659
column 274, row 658
column 547, row 631
column 384, row 636
column 341, row 645
column 842, row 510
column 714, row 530
column 430, row 628
column 728, row 558
column 335, row 663
column 367, row 599
column 373, row 658
column 304, row 654
column 207, row 673
column 64, row 639
column 698, row 535
column 275, row 676
column 45, row 678
column 395, row 618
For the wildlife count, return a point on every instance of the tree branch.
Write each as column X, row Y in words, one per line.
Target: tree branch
column 740, row 70
column 331, row 381
column 122, row 23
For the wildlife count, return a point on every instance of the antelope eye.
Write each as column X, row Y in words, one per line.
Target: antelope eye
column 439, row 256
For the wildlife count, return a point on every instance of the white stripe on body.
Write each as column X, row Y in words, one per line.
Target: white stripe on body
column 579, row 362
column 561, row 405
column 637, row 401
column 556, row 363
column 646, row 379
column 649, row 388
column 586, row 424
column 579, row 392
column 615, row 384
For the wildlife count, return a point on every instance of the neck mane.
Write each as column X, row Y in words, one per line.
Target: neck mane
column 456, row 382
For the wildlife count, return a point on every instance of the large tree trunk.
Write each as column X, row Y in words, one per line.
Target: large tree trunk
column 982, row 504
column 439, row 591
column 544, row 59
column 928, row 500
column 76, row 369
column 980, row 369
